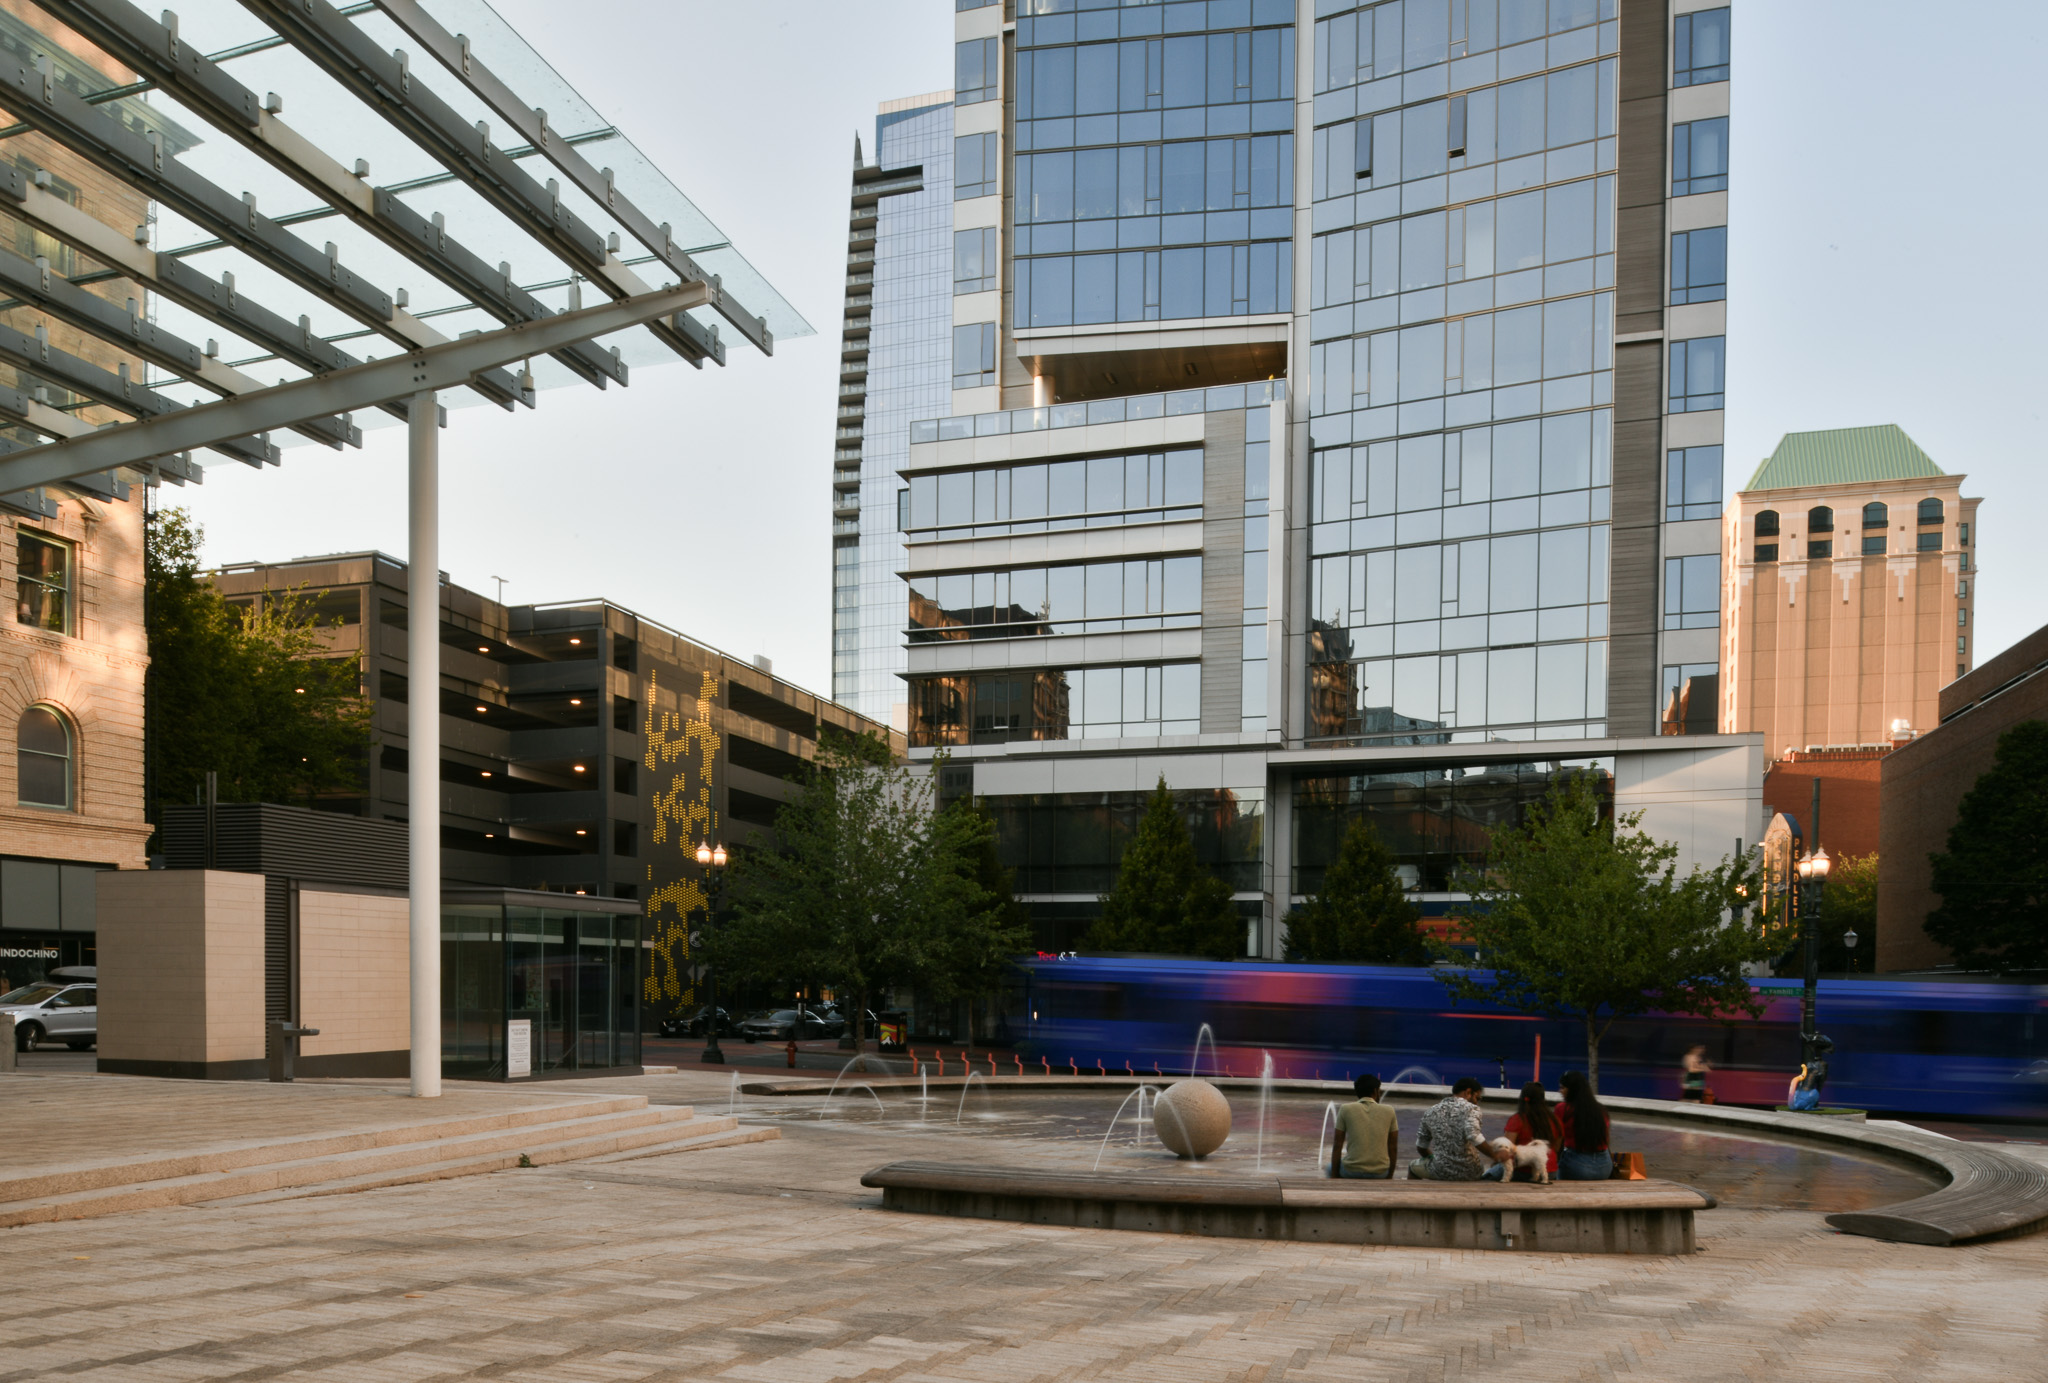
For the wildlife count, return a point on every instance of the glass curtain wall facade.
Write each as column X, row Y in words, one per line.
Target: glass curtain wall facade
column 908, row 374
column 1445, row 282
column 1462, row 367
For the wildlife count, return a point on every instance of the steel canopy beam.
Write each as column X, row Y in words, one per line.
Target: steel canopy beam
column 447, row 366
column 156, row 51
column 452, row 51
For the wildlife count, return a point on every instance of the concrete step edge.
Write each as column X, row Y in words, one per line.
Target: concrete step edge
column 546, row 1155
column 42, row 1184
column 624, row 1130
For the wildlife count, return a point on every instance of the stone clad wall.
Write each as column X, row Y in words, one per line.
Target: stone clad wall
column 181, row 973
column 355, row 970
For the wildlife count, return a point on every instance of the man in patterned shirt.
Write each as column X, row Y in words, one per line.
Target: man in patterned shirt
column 1450, row 1143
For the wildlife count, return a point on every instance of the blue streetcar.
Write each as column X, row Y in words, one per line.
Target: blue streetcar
column 1907, row 1046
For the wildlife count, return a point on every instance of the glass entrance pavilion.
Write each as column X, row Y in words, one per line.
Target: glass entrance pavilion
column 567, row 964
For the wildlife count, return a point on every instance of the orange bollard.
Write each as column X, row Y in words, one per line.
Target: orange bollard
column 1020, row 1062
column 1046, row 1062
column 790, row 1050
column 1073, row 1069
column 966, row 1065
column 1098, row 1067
column 1156, row 1071
column 991, row 1063
column 1127, row 1069
column 940, row 1057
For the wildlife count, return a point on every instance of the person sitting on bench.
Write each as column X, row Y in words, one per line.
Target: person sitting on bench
column 1582, row 1131
column 1450, row 1143
column 1368, row 1135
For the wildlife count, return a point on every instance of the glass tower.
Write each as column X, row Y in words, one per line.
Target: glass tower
column 1333, row 385
column 894, row 368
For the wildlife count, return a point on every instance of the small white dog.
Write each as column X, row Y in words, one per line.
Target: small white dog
column 1533, row 1156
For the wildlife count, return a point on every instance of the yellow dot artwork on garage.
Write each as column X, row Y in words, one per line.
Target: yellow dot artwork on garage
column 685, row 748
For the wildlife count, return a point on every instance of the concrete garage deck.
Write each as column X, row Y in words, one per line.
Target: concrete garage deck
column 1653, row 1217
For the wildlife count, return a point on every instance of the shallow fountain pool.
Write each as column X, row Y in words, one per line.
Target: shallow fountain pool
column 1072, row 1128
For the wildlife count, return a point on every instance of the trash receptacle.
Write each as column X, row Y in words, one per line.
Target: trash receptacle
column 892, row 1027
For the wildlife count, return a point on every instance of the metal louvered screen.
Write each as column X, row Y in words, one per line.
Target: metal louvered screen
column 277, row 956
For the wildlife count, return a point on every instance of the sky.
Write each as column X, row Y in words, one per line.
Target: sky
column 1873, row 194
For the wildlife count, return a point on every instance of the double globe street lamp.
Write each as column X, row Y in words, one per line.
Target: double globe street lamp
column 1813, row 878
column 712, row 859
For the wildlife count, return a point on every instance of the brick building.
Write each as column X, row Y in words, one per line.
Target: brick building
column 1923, row 784
column 1848, row 795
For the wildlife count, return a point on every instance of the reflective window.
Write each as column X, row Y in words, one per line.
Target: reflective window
column 975, row 267
column 1766, row 552
column 1693, row 485
column 44, row 581
column 1699, row 265
column 975, row 166
column 1692, row 592
column 1699, row 157
column 1929, row 542
column 1072, row 842
column 974, row 355
column 1056, row 704
column 43, row 758
column 1698, row 369
column 1930, row 511
column 1095, row 492
column 1690, row 693
column 1154, row 285
column 1820, row 519
column 1820, row 548
column 1155, row 593
column 1876, row 515
column 1873, row 545
column 1699, row 47
column 977, row 70
column 1767, row 523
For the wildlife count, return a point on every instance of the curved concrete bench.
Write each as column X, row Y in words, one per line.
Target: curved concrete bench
column 1653, row 1217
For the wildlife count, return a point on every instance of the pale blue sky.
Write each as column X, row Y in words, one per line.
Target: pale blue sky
column 1886, row 213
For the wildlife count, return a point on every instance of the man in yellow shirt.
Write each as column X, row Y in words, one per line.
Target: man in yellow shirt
column 1368, row 1139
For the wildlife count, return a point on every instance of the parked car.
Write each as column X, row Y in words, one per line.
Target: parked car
column 836, row 1018
column 782, row 1024
column 67, row 1013
column 694, row 1024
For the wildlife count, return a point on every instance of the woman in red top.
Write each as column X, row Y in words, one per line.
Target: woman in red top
column 1582, row 1129
column 1532, row 1122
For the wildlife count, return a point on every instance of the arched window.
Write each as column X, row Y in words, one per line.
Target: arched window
column 1820, row 519
column 1930, row 511
column 1767, row 523
column 43, row 759
column 1875, row 515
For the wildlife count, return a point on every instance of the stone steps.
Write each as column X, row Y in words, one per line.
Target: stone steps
column 335, row 1164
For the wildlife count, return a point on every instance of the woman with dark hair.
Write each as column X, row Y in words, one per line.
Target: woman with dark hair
column 1532, row 1122
column 1582, row 1129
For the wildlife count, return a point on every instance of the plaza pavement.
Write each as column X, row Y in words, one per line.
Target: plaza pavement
column 770, row 1263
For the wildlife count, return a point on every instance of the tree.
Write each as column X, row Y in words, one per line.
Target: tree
column 865, row 883
column 1361, row 914
column 971, row 957
column 1849, row 904
column 1993, row 879
column 1579, row 916
column 255, row 696
column 1164, row 900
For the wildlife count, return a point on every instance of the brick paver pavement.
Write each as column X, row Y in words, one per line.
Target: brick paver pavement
column 770, row 1264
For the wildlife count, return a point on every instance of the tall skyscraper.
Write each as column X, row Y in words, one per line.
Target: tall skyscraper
column 892, row 370
column 1330, row 386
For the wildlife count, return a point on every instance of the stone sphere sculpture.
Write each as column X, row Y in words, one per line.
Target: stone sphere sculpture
column 1192, row 1118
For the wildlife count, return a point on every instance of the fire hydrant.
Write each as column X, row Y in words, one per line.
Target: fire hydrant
column 790, row 1051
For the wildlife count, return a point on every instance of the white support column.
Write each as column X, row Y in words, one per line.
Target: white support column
column 423, row 735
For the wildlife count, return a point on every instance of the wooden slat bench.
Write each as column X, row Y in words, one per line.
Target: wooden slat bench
column 1653, row 1217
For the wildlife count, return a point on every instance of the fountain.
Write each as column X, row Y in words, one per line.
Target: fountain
column 1265, row 1098
column 1428, row 1077
column 1323, row 1134
column 1139, row 1096
column 732, row 1099
column 967, row 1085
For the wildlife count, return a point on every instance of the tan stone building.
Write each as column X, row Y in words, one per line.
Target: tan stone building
column 72, row 647
column 1850, row 577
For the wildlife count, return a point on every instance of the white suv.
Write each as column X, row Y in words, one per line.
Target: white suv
column 67, row 1013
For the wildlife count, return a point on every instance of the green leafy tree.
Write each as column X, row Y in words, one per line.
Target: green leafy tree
column 971, row 957
column 1578, row 915
column 254, row 696
column 1993, row 878
column 1361, row 914
column 865, row 885
column 1849, row 904
column 1164, row 900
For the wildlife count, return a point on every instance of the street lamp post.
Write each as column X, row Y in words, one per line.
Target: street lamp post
column 1813, row 877
column 712, row 859
column 1849, row 940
